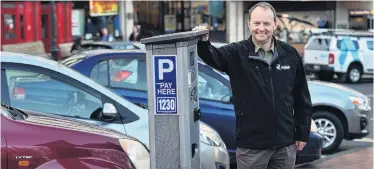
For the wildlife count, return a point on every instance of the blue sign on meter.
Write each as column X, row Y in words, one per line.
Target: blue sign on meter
column 165, row 83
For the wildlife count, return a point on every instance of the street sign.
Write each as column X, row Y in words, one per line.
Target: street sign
column 165, row 83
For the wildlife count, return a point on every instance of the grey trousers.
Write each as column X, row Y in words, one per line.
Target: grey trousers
column 283, row 158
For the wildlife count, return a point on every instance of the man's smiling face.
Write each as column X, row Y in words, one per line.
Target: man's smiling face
column 262, row 24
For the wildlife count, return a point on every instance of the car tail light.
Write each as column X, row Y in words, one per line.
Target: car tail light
column 19, row 92
column 121, row 75
column 137, row 153
column 331, row 58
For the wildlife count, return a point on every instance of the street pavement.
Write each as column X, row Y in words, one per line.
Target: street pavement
column 355, row 159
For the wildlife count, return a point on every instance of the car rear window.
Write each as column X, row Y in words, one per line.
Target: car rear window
column 319, row 44
column 347, row 45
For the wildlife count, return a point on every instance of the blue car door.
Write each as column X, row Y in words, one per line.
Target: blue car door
column 216, row 109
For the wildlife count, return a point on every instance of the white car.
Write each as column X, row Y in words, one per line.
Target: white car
column 43, row 85
column 346, row 54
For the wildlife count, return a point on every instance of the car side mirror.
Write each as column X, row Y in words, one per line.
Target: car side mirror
column 109, row 110
column 227, row 98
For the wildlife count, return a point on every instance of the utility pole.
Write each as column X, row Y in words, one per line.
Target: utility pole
column 54, row 49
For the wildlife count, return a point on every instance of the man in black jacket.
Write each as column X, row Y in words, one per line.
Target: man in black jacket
column 270, row 92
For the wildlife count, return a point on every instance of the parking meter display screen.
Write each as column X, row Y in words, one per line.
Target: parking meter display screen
column 165, row 83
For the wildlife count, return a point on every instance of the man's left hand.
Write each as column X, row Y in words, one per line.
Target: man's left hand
column 300, row 145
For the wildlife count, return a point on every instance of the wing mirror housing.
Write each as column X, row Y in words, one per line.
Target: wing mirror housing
column 110, row 110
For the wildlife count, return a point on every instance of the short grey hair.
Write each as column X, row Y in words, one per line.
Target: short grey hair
column 264, row 5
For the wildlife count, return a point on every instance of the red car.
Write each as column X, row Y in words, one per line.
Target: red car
column 31, row 140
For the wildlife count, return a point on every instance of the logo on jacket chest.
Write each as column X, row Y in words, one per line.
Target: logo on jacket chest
column 282, row 67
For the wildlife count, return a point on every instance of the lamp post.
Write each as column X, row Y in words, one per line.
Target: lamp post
column 54, row 49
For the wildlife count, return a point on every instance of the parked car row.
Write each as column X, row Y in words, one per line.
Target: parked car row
column 34, row 84
column 337, row 109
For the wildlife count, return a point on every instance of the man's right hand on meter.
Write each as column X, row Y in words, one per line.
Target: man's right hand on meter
column 200, row 28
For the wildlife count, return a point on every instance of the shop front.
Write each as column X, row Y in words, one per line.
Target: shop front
column 361, row 19
column 161, row 17
column 89, row 18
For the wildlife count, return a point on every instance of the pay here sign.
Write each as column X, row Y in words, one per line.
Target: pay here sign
column 165, row 83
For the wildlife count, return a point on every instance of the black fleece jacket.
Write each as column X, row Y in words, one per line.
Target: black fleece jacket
column 272, row 102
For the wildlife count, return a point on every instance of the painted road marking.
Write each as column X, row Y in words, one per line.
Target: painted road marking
column 368, row 140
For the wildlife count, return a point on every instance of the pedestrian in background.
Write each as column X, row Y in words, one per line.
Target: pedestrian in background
column 135, row 34
column 77, row 45
column 270, row 92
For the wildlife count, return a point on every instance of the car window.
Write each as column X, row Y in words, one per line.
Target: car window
column 40, row 93
column 370, row 44
column 124, row 46
column 94, row 47
column 211, row 88
column 128, row 73
column 347, row 44
column 99, row 73
column 319, row 44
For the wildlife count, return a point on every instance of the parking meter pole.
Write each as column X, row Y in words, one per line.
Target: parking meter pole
column 174, row 114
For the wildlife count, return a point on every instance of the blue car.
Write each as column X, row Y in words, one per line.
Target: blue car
column 125, row 73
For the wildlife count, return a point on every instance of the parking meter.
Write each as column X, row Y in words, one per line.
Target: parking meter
column 173, row 100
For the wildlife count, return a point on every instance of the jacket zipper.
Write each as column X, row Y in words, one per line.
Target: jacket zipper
column 259, row 74
column 272, row 94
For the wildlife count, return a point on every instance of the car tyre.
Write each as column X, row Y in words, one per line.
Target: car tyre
column 354, row 73
column 337, row 129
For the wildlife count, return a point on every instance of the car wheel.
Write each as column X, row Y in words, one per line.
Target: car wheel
column 326, row 76
column 330, row 128
column 354, row 74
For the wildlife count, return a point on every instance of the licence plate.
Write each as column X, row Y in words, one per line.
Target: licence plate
column 316, row 67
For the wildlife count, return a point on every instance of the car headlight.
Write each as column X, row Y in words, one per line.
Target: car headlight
column 210, row 136
column 313, row 127
column 360, row 103
column 137, row 153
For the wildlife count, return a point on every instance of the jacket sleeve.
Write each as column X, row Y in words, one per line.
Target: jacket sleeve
column 218, row 58
column 302, row 103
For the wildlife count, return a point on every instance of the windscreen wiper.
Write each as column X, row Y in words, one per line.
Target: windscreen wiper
column 19, row 114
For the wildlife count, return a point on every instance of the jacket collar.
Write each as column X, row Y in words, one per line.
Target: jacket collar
column 277, row 47
column 258, row 46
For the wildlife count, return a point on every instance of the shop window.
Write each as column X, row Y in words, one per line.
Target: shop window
column 45, row 26
column 22, row 28
column 9, row 26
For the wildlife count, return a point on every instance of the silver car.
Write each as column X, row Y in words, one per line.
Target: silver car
column 339, row 113
column 46, row 86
